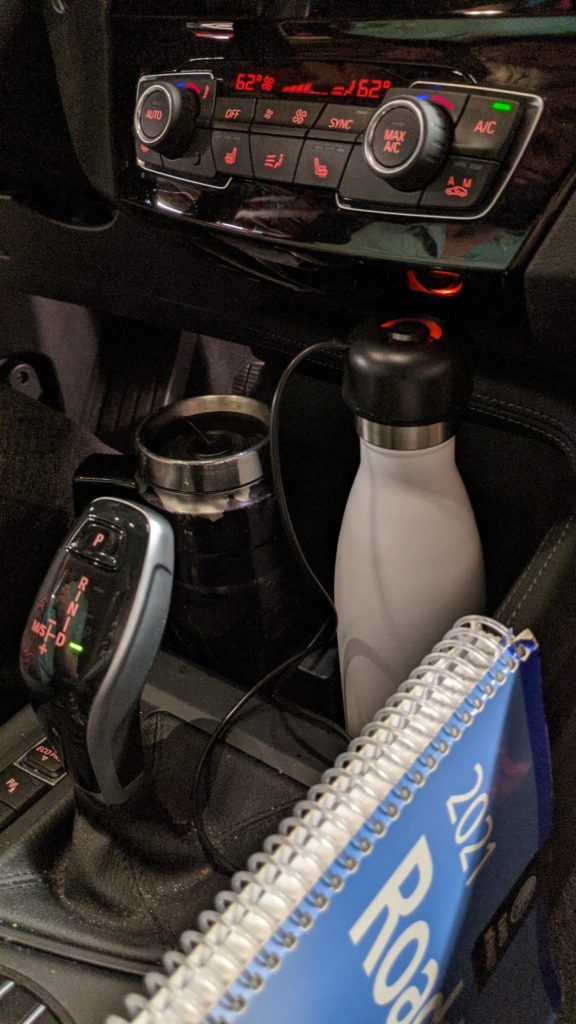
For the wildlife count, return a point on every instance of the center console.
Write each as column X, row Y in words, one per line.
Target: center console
column 273, row 176
column 384, row 140
column 437, row 148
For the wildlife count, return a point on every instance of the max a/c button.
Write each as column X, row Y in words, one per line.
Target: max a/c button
column 462, row 184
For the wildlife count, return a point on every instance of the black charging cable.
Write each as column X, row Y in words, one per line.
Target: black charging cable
column 319, row 641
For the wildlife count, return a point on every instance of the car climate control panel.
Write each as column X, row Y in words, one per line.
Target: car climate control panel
column 435, row 149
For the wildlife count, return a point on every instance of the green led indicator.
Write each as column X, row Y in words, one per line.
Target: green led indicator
column 75, row 647
column 500, row 105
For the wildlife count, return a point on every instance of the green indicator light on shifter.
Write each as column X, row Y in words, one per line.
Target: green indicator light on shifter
column 500, row 105
column 75, row 647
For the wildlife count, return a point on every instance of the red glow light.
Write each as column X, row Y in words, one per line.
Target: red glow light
column 433, row 328
column 443, row 284
column 443, row 101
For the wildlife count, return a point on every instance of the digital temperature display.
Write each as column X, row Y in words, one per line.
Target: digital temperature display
column 287, row 83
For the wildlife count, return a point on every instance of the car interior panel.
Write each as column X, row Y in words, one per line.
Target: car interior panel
column 241, row 244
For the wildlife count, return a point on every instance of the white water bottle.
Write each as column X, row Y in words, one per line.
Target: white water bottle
column 409, row 559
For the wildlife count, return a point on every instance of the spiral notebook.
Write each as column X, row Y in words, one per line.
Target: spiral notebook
column 405, row 888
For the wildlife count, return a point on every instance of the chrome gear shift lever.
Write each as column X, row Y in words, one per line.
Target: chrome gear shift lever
column 91, row 637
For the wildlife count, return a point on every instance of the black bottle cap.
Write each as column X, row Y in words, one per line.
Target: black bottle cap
column 406, row 372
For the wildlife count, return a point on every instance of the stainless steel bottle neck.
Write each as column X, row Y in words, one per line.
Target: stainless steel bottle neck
column 203, row 475
column 403, row 439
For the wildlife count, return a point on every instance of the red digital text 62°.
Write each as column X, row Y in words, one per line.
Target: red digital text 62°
column 473, row 826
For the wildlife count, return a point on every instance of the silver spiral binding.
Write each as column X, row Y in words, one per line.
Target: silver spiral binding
column 264, row 911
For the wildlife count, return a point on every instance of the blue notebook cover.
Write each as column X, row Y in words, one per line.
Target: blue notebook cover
column 438, row 918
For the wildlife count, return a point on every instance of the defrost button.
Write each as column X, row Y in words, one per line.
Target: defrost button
column 274, row 158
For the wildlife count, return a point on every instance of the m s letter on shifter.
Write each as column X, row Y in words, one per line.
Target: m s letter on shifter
column 91, row 637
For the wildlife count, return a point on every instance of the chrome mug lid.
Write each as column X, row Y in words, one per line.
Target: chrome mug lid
column 204, row 445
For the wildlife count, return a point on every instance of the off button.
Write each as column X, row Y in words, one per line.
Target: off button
column 396, row 137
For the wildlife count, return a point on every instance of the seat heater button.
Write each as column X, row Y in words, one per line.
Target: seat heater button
column 232, row 153
column 322, row 163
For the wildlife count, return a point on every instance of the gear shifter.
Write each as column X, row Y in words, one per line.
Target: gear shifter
column 91, row 637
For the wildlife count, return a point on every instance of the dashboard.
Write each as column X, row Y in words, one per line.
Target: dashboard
column 297, row 156
column 422, row 149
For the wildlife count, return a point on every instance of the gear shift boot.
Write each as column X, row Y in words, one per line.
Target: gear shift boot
column 123, row 882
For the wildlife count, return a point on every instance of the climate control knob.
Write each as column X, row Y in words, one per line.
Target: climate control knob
column 165, row 118
column 407, row 141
